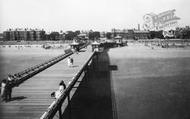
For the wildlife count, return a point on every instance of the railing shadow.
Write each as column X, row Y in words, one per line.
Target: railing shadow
column 18, row 98
column 94, row 98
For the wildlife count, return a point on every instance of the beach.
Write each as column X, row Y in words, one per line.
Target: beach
column 150, row 83
column 15, row 58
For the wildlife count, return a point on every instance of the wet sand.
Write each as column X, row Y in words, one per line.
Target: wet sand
column 14, row 59
column 151, row 84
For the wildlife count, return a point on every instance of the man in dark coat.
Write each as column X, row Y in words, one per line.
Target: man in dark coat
column 8, row 88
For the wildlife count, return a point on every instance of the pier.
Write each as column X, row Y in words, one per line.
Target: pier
column 31, row 99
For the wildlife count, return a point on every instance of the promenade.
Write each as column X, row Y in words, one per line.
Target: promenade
column 32, row 98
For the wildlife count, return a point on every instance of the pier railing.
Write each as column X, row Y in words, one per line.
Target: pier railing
column 56, row 106
column 20, row 77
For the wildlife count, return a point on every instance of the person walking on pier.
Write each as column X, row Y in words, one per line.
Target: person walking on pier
column 62, row 85
column 3, row 92
column 70, row 61
column 8, row 88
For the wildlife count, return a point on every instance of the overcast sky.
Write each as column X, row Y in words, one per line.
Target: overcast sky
column 102, row 15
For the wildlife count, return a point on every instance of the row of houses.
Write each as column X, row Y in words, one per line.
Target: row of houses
column 20, row 34
column 1, row 36
column 37, row 35
column 131, row 33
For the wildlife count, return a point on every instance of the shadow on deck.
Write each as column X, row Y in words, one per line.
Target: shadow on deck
column 93, row 98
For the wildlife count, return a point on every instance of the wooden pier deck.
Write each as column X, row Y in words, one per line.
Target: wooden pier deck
column 32, row 98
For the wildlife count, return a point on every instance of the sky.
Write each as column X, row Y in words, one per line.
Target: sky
column 101, row 15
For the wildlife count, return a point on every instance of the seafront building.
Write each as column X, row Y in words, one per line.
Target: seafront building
column 24, row 34
column 1, row 36
column 131, row 33
column 37, row 35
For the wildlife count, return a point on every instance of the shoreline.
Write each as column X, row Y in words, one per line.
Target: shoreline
column 33, row 42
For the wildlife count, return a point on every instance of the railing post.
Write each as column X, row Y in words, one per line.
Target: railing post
column 96, row 59
column 60, row 113
column 86, row 73
column 69, row 105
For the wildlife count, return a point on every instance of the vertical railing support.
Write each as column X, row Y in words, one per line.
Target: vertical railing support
column 69, row 105
column 97, row 59
column 86, row 73
column 60, row 113
column 93, row 62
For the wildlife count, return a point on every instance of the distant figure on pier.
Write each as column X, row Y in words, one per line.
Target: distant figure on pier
column 61, row 89
column 62, row 85
column 3, row 85
column 70, row 61
column 8, row 88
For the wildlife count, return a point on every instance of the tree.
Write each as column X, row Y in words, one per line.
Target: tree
column 70, row 35
column 156, row 34
column 54, row 36
column 77, row 32
column 94, row 35
column 108, row 35
column 182, row 33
